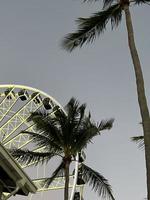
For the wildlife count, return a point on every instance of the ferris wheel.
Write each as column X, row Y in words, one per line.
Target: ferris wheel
column 16, row 104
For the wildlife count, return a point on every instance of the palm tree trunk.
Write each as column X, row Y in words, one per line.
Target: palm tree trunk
column 66, row 191
column 141, row 93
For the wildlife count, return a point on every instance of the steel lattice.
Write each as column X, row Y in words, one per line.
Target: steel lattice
column 14, row 112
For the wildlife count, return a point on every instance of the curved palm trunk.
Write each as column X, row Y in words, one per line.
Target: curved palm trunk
column 141, row 94
column 66, row 191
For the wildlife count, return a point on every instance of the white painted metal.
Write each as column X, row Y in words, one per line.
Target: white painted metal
column 75, row 177
column 15, row 172
column 13, row 118
column 57, row 184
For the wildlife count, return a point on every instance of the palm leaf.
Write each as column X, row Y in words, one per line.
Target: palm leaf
column 83, row 134
column 97, row 181
column 27, row 157
column 107, row 3
column 43, row 140
column 138, row 2
column 139, row 140
column 90, row 28
column 72, row 108
column 87, row 131
column 75, row 115
column 81, row 111
column 75, row 110
column 105, row 124
column 81, row 139
column 47, row 125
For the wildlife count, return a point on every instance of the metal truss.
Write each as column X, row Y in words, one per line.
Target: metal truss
column 15, row 110
column 57, row 184
column 18, row 119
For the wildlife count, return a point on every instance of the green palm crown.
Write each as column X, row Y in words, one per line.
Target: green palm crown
column 63, row 135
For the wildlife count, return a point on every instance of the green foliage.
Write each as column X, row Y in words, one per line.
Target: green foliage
column 90, row 28
column 27, row 157
column 139, row 2
column 64, row 135
column 97, row 181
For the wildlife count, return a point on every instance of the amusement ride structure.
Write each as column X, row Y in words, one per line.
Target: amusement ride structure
column 16, row 104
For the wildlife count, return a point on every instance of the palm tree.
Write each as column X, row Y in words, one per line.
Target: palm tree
column 64, row 135
column 91, row 27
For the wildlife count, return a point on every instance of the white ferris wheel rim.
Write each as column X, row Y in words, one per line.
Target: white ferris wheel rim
column 31, row 89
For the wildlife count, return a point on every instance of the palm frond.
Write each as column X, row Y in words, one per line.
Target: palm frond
column 138, row 2
column 81, row 111
column 27, row 157
column 43, row 140
column 39, row 114
column 87, row 131
column 59, row 171
column 105, row 124
column 47, row 125
column 97, row 181
column 83, row 137
column 107, row 3
column 72, row 108
column 139, row 140
column 75, row 112
column 75, row 115
column 90, row 28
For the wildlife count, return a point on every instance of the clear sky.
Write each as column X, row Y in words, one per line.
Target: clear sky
column 100, row 74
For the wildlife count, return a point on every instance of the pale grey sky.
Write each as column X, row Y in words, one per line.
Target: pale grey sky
column 100, row 74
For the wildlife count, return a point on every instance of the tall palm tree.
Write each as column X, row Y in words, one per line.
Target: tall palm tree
column 63, row 135
column 91, row 27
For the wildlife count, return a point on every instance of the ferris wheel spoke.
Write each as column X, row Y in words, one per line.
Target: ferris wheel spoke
column 7, row 103
column 18, row 141
column 19, row 118
column 21, row 140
